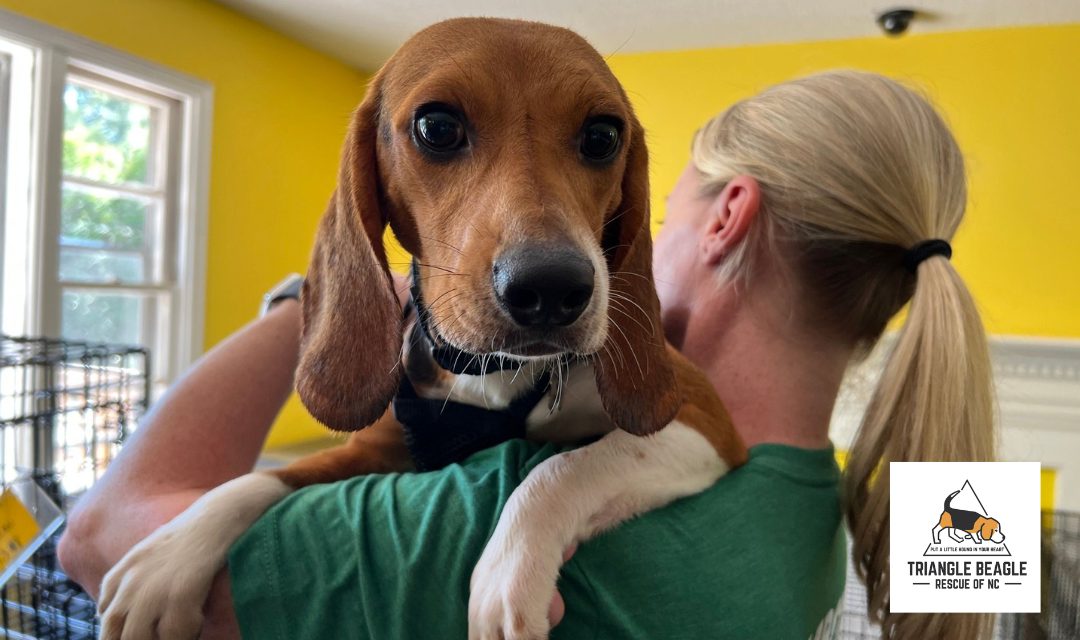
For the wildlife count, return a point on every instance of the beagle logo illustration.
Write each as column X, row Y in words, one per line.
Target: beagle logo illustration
column 965, row 521
column 955, row 550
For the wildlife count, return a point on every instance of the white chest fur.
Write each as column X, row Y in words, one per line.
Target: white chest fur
column 570, row 411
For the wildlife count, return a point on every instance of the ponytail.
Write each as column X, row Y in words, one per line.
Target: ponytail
column 934, row 402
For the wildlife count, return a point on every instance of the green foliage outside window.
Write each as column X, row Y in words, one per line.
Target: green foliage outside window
column 106, row 140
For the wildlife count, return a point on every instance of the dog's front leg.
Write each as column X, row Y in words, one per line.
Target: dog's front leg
column 159, row 587
column 570, row 498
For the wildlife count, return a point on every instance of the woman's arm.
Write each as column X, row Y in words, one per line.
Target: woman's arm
column 209, row 428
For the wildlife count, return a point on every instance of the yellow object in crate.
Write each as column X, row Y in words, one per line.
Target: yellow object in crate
column 27, row 518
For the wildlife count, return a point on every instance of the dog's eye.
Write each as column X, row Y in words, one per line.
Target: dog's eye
column 600, row 140
column 439, row 131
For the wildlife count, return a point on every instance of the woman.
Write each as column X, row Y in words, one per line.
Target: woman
column 798, row 230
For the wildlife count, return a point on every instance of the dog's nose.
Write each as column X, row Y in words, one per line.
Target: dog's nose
column 543, row 286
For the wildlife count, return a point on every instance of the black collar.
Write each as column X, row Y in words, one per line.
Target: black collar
column 442, row 432
column 439, row 432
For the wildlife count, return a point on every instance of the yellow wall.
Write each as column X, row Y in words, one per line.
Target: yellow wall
column 280, row 111
column 1012, row 97
column 1047, row 482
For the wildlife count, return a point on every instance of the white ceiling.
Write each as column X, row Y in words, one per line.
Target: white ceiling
column 363, row 33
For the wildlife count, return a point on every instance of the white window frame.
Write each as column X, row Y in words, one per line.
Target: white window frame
column 56, row 54
column 5, row 103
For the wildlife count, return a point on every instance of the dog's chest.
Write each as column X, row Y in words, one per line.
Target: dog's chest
column 570, row 411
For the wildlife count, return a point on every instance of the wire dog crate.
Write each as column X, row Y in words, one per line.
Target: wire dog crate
column 65, row 408
column 1060, row 617
column 1061, row 575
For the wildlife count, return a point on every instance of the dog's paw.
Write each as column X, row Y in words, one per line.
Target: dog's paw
column 157, row 590
column 511, row 591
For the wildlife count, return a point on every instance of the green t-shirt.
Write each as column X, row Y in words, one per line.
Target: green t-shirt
column 761, row 554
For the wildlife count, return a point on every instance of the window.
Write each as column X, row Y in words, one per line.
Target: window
column 103, row 182
column 115, row 282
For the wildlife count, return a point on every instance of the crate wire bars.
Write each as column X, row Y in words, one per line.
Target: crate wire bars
column 65, row 408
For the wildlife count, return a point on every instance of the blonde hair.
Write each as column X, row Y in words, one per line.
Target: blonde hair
column 854, row 170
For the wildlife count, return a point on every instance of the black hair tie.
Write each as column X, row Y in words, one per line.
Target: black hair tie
column 926, row 249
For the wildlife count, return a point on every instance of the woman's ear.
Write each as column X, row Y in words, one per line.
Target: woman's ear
column 730, row 215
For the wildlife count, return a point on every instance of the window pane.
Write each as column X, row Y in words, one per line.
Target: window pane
column 100, row 222
column 103, row 317
column 106, row 137
column 100, row 267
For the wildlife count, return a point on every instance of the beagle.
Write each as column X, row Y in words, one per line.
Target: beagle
column 974, row 525
column 507, row 159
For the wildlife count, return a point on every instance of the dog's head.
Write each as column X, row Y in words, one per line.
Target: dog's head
column 506, row 158
column 991, row 530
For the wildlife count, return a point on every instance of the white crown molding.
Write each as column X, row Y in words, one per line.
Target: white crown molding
column 1029, row 358
column 1038, row 392
column 1038, row 383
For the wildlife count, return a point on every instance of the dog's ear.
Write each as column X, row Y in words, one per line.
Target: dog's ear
column 351, row 337
column 988, row 528
column 635, row 376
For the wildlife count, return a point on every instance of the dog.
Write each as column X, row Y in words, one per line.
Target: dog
column 507, row 159
column 975, row 525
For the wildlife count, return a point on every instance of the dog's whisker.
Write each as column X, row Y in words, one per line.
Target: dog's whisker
column 615, row 307
column 446, row 305
column 634, row 303
column 435, row 266
column 449, row 393
column 563, row 380
column 609, row 250
column 649, row 336
column 516, row 373
column 483, row 380
column 619, row 275
column 618, row 353
column 431, row 307
column 478, row 230
column 562, row 383
column 432, row 304
column 630, row 348
column 558, row 389
column 599, row 359
column 452, row 59
column 613, row 219
column 440, row 275
column 438, row 324
column 630, row 37
column 442, row 242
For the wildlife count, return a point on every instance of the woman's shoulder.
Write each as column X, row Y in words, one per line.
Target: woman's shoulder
column 760, row 554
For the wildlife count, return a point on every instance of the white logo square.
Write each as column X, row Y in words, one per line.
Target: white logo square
column 964, row 537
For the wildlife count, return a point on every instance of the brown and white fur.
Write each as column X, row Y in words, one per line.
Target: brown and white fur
column 524, row 92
